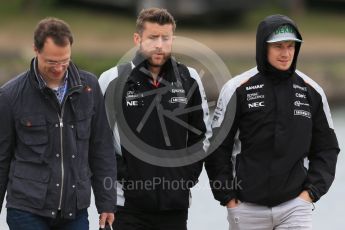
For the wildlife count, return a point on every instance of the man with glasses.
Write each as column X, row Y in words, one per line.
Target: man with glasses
column 55, row 141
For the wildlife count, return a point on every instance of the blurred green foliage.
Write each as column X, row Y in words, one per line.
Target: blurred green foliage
column 105, row 26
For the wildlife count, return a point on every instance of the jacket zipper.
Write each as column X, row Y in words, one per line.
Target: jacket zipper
column 61, row 125
column 61, row 153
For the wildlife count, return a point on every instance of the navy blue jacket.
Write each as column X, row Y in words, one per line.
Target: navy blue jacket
column 50, row 154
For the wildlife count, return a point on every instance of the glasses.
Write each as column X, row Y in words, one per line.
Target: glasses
column 63, row 63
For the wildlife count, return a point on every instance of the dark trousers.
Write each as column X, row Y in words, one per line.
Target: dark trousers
column 22, row 220
column 142, row 220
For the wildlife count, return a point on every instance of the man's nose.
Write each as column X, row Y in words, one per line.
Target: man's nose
column 59, row 67
column 285, row 52
column 159, row 43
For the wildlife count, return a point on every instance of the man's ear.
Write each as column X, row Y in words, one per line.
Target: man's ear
column 35, row 49
column 136, row 39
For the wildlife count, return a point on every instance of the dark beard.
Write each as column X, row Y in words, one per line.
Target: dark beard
column 158, row 65
column 155, row 65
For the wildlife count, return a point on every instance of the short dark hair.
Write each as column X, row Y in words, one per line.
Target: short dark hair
column 154, row 15
column 54, row 28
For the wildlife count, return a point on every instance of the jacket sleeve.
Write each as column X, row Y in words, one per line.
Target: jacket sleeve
column 102, row 158
column 198, row 116
column 6, row 144
column 323, row 152
column 199, row 128
column 219, row 166
column 108, row 81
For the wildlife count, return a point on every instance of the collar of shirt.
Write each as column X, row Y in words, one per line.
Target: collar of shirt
column 61, row 90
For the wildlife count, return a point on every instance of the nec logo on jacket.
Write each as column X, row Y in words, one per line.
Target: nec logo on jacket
column 132, row 103
column 256, row 104
column 132, row 99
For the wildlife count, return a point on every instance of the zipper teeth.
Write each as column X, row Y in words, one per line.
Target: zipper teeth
column 62, row 153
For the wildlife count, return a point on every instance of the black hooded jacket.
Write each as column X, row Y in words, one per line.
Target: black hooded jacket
column 269, row 121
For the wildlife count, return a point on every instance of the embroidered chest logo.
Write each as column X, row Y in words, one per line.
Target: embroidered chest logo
column 177, row 90
column 254, row 96
column 256, row 104
column 178, row 100
column 301, row 95
column 252, row 87
column 302, row 88
column 131, row 99
column 302, row 113
column 299, row 104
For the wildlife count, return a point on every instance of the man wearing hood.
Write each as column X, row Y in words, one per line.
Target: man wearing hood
column 279, row 153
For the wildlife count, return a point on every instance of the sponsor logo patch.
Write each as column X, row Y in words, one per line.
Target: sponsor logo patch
column 132, row 95
column 254, row 96
column 302, row 113
column 254, row 87
column 301, row 95
column 299, row 104
column 132, row 103
column 178, row 100
column 299, row 87
column 177, row 91
column 256, row 104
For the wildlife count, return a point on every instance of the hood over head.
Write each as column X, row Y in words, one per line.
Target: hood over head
column 265, row 29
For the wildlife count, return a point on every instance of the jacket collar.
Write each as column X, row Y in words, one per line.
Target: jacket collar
column 168, row 72
column 74, row 82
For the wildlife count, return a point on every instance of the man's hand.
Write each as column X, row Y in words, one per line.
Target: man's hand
column 305, row 196
column 106, row 217
column 233, row 203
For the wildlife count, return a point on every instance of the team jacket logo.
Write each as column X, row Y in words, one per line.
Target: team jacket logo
column 178, row 100
column 254, row 87
column 299, row 104
column 130, row 99
column 300, row 95
column 302, row 113
column 256, row 104
column 132, row 95
column 299, row 87
column 254, row 96
column 177, row 91
column 132, row 103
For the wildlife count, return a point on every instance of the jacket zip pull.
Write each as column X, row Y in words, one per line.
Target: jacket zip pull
column 61, row 123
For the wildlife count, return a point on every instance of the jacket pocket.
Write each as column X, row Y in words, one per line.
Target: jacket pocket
column 84, row 190
column 83, row 135
column 84, row 126
column 30, row 184
column 33, row 138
